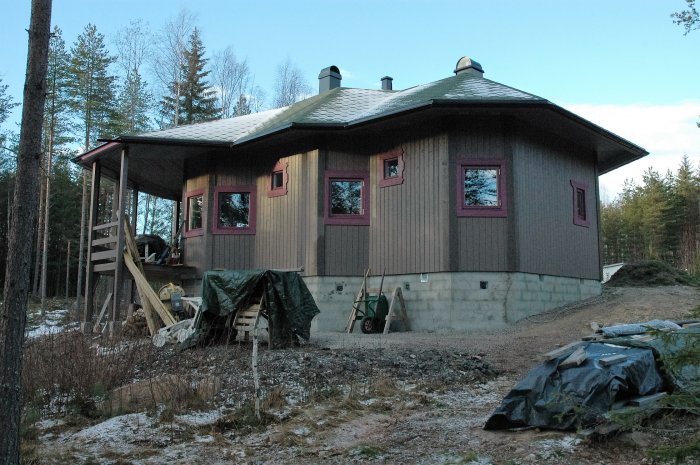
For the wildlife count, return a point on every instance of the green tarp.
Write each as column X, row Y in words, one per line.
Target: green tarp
column 290, row 305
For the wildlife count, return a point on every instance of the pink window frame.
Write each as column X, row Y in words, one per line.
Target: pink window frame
column 279, row 191
column 188, row 195
column 396, row 180
column 250, row 229
column 334, row 175
column 499, row 211
column 575, row 187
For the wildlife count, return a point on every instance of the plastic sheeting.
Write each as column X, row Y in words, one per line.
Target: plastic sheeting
column 555, row 398
column 638, row 328
column 290, row 305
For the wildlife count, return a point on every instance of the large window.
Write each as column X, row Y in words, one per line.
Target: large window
column 194, row 213
column 580, row 203
column 234, row 210
column 481, row 188
column 346, row 197
column 391, row 167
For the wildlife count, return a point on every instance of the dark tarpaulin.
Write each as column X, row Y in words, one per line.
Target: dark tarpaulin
column 290, row 305
column 564, row 399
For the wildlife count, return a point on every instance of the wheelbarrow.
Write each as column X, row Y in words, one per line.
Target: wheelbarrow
column 373, row 316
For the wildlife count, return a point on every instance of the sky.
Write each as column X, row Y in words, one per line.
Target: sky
column 621, row 64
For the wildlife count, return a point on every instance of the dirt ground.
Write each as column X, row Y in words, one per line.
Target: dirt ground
column 408, row 398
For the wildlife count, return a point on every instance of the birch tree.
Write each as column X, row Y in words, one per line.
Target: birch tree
column 17, row 274
column 290, row 85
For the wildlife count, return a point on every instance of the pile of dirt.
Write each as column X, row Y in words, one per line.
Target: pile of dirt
column 651, row 273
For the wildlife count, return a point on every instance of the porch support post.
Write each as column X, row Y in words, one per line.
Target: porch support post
column 90, row 276
column 120, row 202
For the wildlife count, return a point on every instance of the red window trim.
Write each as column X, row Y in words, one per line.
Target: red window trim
column 396, row 180
column 337, row 175
column 250, row 229
column 578, row 221
column 280, row 191
column 198, row 231
column 500, row 211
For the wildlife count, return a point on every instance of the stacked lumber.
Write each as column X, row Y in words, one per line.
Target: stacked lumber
column 149, row 299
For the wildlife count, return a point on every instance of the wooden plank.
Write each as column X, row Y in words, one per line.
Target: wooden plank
column 148, row 292
column 612, row 360
column 556, row 353
column 104, row 240
column 106, row 255
column 577, row 358
column 104, row 308
column 103, row 267
column 100, row 227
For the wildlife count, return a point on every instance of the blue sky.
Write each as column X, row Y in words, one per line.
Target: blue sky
column 622, row 64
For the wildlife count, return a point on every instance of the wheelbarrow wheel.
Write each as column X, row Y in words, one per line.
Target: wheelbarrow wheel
column 367, row 325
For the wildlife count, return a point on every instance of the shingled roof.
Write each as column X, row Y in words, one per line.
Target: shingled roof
column 341, row 107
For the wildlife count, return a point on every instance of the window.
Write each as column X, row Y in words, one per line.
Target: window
column 391, row 167
column 235, row 210
column 194, row 213
column 278, row 180
column 481, row 188
column 580, row 204
column 346, row 197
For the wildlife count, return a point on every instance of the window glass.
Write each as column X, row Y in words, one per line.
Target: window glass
column 581, row 204
column 481, row 187
column 194, row 208
column 346, row 197
column 277, row 180
column 234, row 209
column 391, row 168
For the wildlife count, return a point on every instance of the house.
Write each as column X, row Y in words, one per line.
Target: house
column 479, row 199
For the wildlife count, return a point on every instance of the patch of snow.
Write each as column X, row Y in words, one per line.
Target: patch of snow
column 200, row 418
column 52, row 324
column 117, row 429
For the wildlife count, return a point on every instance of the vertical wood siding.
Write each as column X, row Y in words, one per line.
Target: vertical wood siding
column 409, row 227
column 550, row 242
column 281, row 226
column 346, row 247
column 480, row 244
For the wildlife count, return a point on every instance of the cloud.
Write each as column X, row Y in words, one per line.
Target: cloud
column 667, row 132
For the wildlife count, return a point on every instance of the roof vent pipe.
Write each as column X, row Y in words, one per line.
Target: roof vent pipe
column 329, row 78
column 387, row 83
column 466, row 65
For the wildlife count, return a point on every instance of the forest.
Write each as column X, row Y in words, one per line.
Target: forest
column 98, row 87
column 140, row 80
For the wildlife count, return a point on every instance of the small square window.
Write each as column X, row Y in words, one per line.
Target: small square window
column 347, row 197
column 235, row 210
column 278, row 180
column 580, row 204
column 194, row 213
column 481, row 188
column 391, row 168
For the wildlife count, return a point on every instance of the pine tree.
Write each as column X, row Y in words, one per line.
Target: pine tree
column 192, row 99
column 93, row 87
column 6, row 105
column 134, row 103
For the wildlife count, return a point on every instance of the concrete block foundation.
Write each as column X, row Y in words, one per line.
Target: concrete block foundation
column 453, row 302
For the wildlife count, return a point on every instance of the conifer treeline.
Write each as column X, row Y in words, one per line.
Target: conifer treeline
column 658, row 219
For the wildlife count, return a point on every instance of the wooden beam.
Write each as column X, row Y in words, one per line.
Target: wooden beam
column 90, row 276
column 118, row 215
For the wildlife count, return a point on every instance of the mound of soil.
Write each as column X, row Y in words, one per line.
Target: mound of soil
column 651, row 273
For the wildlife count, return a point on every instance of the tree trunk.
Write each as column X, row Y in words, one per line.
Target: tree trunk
column 81, row 247
column 68, row 271
column 17, row 274
column 45, row 241
column 37, row 250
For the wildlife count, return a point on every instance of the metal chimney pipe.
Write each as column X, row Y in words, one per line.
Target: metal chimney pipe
column 387, row 83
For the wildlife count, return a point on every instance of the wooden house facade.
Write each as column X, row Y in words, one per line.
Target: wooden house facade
column 479, row 200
